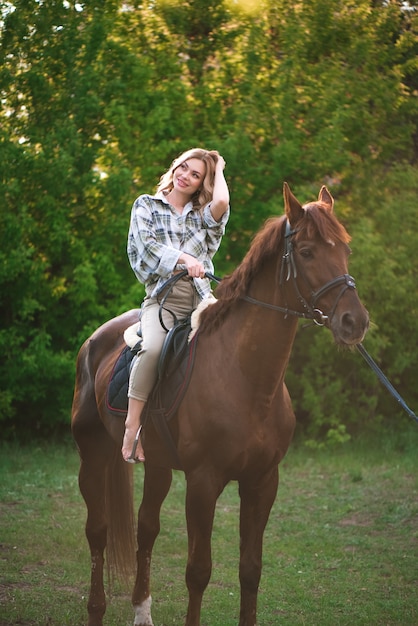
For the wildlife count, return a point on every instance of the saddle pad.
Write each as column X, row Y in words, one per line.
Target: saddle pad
column 117, row 388
column 174, row 372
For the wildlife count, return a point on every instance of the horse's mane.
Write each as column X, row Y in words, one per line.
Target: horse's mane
column 265, row 244
column 317, row 220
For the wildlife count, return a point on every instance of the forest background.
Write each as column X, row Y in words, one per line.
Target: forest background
column 98, row 97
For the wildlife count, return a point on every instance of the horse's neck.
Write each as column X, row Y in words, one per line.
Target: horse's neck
column 262, row 342
column 270, row 330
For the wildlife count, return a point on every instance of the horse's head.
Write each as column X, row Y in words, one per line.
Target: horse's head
column 316, row 262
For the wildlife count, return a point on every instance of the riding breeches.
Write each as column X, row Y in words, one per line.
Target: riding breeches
column 182, row 300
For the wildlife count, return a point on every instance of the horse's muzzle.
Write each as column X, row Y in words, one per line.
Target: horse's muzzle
column 349, row 327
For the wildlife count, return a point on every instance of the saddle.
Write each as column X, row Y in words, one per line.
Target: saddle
column 174, row 370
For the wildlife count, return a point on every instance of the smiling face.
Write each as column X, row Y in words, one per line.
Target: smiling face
column 188, row 177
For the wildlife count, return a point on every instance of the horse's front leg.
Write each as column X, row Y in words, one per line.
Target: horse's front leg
column 202, row 494
column 257, row 498
column 157, row 482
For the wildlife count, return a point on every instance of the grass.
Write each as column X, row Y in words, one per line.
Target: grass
column 340, row 547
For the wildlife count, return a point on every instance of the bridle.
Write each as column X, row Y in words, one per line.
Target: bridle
column 289, row 272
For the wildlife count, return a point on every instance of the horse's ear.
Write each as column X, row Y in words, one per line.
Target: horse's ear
column 292, row 206
column 325, row 197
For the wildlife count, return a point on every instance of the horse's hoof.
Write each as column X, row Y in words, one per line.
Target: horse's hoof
column 143, row 613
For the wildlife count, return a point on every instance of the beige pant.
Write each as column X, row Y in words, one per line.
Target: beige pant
column 182, row 300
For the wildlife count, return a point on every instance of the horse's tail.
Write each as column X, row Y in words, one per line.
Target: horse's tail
column 121, row 526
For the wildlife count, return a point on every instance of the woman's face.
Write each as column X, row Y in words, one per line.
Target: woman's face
column 188, row 176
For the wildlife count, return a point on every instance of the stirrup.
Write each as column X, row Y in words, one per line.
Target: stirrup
column 131, row 458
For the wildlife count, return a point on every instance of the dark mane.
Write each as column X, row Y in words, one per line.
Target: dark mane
column 265, row 244
column 317, row 220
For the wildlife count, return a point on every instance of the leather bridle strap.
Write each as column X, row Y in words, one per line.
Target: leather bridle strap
column 316, row 314
column 267, row 305
column 310, row 314
column 346, row 280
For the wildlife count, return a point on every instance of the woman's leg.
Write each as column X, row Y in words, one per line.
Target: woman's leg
column 132, row 450
column 181, row 302
column 142, row 379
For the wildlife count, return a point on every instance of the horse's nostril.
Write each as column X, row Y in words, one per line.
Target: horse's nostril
column 347, row 322
column 351, row 328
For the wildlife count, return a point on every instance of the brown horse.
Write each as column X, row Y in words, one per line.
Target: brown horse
column 235, row 422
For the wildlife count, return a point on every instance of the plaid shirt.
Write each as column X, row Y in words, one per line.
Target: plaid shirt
column 158, row 235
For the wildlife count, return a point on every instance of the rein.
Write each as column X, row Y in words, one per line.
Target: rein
column 169, row 284
column 267, row 305
column 385, row 380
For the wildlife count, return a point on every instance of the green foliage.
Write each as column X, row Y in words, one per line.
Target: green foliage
column 96, row 100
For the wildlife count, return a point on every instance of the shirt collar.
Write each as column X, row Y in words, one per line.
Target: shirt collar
column 160, row 196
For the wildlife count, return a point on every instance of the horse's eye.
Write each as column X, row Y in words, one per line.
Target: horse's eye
column 306, row 253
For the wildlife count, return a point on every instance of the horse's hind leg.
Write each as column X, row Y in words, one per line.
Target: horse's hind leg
column 157, row 482
column 257, row 498
column 95, row 448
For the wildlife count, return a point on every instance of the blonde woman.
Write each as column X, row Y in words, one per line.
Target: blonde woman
column 178, row 228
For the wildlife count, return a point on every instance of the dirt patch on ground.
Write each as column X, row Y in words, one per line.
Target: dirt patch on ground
column 356, row 520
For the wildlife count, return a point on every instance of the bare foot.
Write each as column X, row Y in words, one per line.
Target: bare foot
column 132, row 450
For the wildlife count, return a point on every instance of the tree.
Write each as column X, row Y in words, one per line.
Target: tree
column 97, row 98
column 52, row 281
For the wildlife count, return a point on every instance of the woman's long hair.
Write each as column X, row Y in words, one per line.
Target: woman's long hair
column 205, row 192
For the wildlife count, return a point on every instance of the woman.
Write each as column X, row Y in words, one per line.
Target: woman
column 179, row 228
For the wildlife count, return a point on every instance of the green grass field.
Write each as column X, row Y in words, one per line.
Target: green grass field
column 340, row 547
